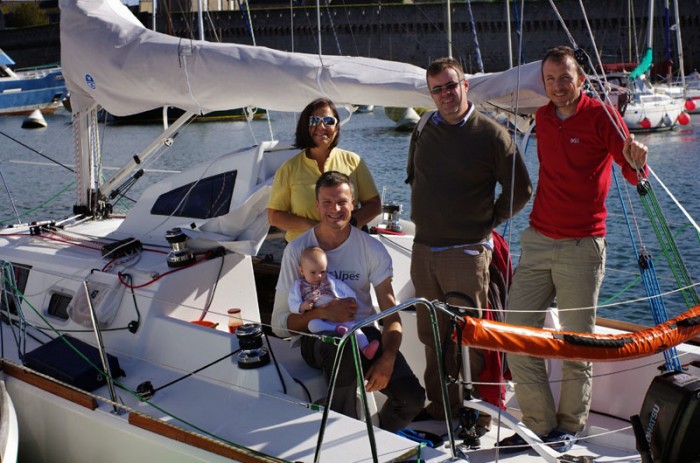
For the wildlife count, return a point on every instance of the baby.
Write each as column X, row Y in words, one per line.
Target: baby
column 316, row 287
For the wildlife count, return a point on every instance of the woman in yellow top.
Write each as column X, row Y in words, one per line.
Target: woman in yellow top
column 292, row 205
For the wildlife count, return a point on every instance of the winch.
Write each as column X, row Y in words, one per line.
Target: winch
column 179, row 255
column 252, row 354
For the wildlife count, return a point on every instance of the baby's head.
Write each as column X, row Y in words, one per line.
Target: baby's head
column 313, row 265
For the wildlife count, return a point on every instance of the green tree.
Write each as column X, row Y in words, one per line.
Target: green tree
column 27, row 14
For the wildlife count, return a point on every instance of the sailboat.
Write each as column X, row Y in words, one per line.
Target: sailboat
column 22, row 92
column 119, row 342
column 649, row 110
column 685, row 87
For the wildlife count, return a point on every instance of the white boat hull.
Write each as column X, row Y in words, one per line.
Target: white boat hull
column 652, row 113
column 263, row 410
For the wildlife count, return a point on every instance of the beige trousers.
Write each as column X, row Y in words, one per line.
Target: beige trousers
column 570, row 271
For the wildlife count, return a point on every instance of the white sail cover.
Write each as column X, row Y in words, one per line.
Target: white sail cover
column 108, row 57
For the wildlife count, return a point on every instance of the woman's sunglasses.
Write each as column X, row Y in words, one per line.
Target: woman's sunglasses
column 328, row 121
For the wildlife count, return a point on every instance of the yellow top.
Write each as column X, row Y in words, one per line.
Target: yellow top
column 293, row 189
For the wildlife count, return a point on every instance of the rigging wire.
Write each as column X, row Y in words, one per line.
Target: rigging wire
column 330, row 20
column 37, row 152
column 9, row 195
column 479, row 62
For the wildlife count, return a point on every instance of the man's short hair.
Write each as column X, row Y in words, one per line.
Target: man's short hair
column 558, row 55
column 440, row 64
column 334, row 178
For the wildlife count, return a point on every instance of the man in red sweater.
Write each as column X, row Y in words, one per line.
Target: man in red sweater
column 563, row 250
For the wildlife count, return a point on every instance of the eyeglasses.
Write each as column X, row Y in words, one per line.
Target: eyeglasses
column 328, row 121
column 448, row 86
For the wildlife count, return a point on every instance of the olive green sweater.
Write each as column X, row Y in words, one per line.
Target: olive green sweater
column 453, row 172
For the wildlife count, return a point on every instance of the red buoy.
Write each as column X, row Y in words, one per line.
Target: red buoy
column 690, row 105
column 645, row 123
column 683, row 119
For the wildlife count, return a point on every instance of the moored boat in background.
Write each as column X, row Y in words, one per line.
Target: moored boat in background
column 21, row 92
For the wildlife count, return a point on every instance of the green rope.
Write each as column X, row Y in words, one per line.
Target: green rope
column 41, row 205
column 622, row 291
column 617, row 295
column 668, row 245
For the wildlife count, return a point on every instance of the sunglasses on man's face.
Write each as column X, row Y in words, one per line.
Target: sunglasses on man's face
column 328, row 121
column 448, row 86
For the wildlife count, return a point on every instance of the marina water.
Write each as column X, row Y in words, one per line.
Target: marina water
column 34, row 180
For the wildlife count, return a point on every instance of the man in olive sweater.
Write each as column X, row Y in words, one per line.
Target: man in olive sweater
column 456, row 160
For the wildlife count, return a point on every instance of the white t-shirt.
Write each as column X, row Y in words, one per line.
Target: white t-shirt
column 360, row 262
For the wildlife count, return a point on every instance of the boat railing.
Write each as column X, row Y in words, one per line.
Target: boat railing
column 457, row 313
column 349, row 336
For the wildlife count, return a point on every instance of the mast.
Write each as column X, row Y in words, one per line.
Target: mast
column 508, row 34
column 677, row 26
column 632, row 39
column 650, row 26
column 88, row 165
column 318, row 25
column 646, row 61
column 449, row 28
column 155, row 8
column 200, row 19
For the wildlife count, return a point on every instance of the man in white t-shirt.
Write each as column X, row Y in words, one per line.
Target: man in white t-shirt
column 361, row 262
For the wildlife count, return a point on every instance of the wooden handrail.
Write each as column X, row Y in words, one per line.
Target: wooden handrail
column 632, row 327
column 49, row 385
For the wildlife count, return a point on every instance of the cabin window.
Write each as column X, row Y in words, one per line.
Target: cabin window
column 207, row 198
column 58, row 305
column 8, row 301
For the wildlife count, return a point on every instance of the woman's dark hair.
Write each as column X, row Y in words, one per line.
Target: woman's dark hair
column 303, row 135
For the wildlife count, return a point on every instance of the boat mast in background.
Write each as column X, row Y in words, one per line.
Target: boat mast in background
column 200, row 19
column 449, row 28
column 681, row 64
column 510, row 46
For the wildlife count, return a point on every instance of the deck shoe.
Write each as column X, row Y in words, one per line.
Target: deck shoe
column 512, row 444
column 560, row 440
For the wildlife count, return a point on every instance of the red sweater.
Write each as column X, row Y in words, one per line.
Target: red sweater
column 575, row 157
